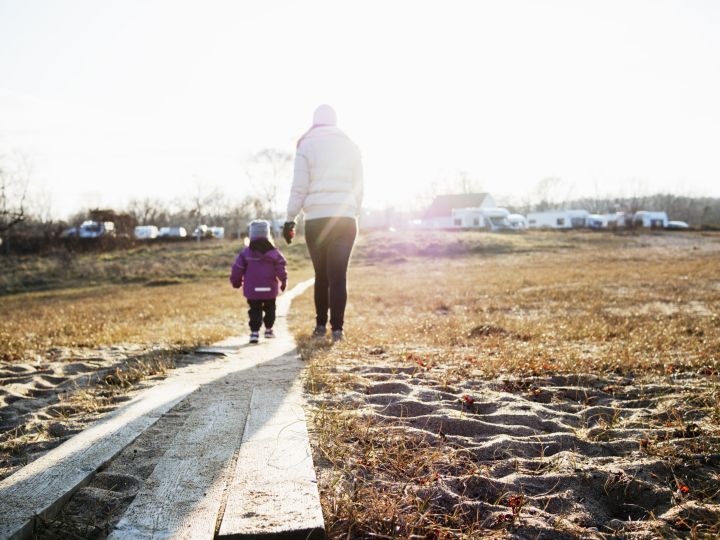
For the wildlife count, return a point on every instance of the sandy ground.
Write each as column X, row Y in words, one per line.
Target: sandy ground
column 47, row 401
column 563, row 456
column 74, row 391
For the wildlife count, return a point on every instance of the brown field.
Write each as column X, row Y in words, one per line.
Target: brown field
column 543, row 385
column 537, row 386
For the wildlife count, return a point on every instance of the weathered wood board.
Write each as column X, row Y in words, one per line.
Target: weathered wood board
column 274, row 490
column 42, row 486
column 182, row 497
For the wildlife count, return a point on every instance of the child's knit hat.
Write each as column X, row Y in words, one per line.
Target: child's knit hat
column 259, row 228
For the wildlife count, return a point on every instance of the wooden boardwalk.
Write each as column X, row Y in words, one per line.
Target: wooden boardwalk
column 240, row 464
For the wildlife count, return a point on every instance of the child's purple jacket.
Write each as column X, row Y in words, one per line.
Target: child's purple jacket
column 259, row 273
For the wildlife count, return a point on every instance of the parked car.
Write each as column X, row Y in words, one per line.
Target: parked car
column 146, row 232
column 96, row 229
column 70, row 232
column 201, row 231
column 677, row 225
column 172, row 232
column 217, row 232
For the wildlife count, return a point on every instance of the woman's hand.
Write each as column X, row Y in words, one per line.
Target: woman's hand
column 289, row 231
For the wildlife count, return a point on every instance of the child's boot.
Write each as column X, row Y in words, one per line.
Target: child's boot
column 254, row 337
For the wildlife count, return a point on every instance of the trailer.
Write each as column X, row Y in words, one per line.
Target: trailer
column 558, row 219
column 606, row 221
column 650, row 220
column 517, row 222
column 491, row 219
column 172, row 232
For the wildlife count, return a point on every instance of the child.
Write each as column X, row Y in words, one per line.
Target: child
column 260, row 268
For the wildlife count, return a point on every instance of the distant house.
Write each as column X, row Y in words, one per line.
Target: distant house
column 440, row 213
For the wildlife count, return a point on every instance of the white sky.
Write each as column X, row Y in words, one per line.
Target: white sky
column 118, row 99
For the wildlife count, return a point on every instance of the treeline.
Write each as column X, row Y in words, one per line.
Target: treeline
column 698, row 212
column 35, row 234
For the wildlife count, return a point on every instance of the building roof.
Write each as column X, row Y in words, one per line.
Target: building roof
column 443, row 205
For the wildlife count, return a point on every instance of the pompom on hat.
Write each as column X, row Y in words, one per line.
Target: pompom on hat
column 259, row 228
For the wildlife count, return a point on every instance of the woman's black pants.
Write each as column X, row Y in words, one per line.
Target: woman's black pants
column 330, row 242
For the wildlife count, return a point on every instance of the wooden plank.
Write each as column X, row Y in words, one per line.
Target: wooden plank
column 183, row 495
column 274, row 492
column 41, row 487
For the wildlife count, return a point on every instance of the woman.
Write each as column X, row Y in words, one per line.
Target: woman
column 328, row 188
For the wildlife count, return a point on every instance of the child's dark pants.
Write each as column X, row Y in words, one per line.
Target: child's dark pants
column 330, row 243
column 257, row 307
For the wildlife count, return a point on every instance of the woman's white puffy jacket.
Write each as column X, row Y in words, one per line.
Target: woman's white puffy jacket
column 328, row 178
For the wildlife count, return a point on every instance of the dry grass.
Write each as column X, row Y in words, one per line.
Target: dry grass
column 162, row 311
column 152, row 264
column 514, row 313
column 178, row 315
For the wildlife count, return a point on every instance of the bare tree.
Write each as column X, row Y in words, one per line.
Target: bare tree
column 545, row 192
column 205, row 203
column 148, row 211
column 39, row 206
column 266, row 170
column 467, row 183
column 14, row 180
